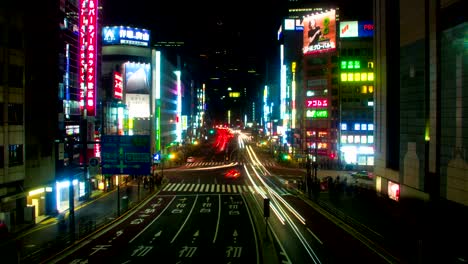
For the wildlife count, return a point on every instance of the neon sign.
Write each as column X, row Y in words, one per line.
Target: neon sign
column 317, row 113
column 118, row 85
column 88, row 54
column 317, row 103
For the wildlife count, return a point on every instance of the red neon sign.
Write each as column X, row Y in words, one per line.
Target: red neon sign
column 88, row 54
column 317, row 103
column 118, row 85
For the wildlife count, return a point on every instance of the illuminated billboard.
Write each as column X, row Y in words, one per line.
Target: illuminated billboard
column 138, row 105
column 137, row 78
column 319, row 32
column 88, row 55
column 353, row 29
column 125, row 36
column 118, row 85
column 348, row 29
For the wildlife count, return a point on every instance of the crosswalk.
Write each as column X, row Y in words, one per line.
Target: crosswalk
column 221, row 163
column 214, row 188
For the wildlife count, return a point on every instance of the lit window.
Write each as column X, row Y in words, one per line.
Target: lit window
column 343, row 139
column 370, row 139
column 363, row 126
column 370, row 127
column 350, row 139
column 363, row 76
column 344, row 77
column 364, row 89
column 344, row 126
column 357, row 139
column 363, row 139
column 350, row 65
column 357, row 65
column 350, row 77
column 310, row 93
column 357, row 76
column 357, row 126
column 371, row 88
column 370, row 103
column 370, row 65
column 370, row 76
column 343, row 64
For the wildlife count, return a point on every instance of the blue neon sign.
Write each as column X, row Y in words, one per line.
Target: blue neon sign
column 125, row 36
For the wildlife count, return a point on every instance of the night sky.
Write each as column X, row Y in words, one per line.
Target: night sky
column 192, row 21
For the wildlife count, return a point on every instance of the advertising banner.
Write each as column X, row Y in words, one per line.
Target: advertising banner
column 319, row 33
column 138, row 105
column 137, row 78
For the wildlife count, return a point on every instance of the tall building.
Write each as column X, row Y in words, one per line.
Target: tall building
column 42, row 101
column 13, row 179
column 420, row 102
column 356, row 94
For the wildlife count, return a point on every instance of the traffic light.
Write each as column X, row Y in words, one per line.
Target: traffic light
column 211, row 131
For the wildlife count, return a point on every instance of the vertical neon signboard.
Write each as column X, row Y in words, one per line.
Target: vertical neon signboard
column 88, row 55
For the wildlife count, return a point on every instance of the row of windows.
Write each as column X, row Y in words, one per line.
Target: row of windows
column 358, row 127
column 15, row 155
column 356, row 52
column 357, row 139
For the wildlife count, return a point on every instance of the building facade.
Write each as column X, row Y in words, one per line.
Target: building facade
column 420, row 112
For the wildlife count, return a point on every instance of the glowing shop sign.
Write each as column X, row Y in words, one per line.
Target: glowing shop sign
column 317, row 113
column 118, row 85
column 88, row 54
column 317, row 103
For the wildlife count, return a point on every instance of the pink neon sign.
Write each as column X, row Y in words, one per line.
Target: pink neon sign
column 317, row 103
column 88, row 54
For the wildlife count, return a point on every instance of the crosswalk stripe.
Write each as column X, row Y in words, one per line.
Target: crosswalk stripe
column 172, row 187
column 214, row 188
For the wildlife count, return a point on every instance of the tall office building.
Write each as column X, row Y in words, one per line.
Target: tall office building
column 42, row 101
column 420, row 117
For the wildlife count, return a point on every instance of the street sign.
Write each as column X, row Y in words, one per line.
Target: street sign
column 126, row 154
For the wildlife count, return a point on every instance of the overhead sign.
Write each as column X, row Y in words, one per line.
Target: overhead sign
column 125, row 36
column 126, row 154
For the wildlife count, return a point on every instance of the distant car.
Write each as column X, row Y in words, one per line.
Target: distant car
column 366, row 175
column 232, row 174
column 190, row 160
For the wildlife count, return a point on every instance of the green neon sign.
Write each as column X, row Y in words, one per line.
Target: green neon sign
column 317, row 113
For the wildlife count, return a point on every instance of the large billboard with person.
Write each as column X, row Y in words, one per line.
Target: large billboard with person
column 319, row 32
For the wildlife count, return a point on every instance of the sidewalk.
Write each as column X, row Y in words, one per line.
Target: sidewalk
column 412, row 231
column 31, row 243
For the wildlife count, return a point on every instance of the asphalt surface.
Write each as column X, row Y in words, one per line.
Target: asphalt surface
column 410, row 231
